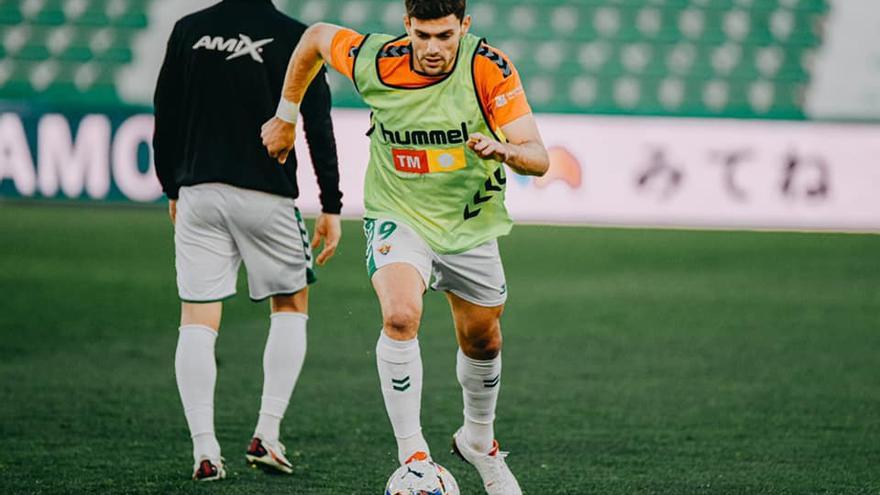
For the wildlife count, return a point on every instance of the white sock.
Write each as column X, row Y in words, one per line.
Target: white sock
column 196, row 372
column 400, row 375
column 282, row 362
column 480, row 383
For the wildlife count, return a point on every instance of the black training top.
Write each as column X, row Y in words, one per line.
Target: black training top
column 220, row 81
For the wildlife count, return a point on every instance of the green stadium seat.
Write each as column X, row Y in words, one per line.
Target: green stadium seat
column 57, row 40
column 95, row 18
column 131, row 19
column 34, row 49
column 13, row 38
column 78, row 49
column 10, row 14
column 51, row 13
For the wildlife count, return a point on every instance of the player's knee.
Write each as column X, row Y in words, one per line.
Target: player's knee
column 484, row 349
column 482, row 343
column 402, row 322
column 295, row 303
column 205, row 314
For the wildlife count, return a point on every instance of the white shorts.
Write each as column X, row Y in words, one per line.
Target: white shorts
column 477, row 275
column 219, row 225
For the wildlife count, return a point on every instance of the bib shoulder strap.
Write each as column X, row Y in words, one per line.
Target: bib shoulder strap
column 365, row 73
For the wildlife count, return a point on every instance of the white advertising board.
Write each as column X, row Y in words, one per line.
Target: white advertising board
column 604, row 170
column 672, row 172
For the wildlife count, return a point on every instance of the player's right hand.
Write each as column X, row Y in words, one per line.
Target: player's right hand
column 278, row 137
column 328, row 228
column 172, row 210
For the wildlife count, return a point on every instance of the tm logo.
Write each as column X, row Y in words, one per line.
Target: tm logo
column 240, row 47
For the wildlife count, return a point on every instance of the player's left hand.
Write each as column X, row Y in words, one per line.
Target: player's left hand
column 488, row 148
column 328, row 228
column 172, row 211
column 278, row 137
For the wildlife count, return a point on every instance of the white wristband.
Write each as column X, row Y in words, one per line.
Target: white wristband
column 287, row 111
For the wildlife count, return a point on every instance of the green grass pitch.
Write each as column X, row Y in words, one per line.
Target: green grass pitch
column 636, row 362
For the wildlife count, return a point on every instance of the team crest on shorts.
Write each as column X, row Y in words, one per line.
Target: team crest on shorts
column 385, row 249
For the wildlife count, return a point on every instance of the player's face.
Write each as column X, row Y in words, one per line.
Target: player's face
column 435, row 42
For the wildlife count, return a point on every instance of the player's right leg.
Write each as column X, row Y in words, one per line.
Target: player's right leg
column 399, row 288
column 195, row 369
column 399, row 264
column 207, row 263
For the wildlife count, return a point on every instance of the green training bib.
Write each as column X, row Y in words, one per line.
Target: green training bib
column 421, row 171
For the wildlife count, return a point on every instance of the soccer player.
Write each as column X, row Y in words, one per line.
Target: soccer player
column 230, row 202
column 448, row 111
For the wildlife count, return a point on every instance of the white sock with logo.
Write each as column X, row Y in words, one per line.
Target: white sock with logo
column 480, row 383
column 400, row 376
column 282, row 362
column 196, row 373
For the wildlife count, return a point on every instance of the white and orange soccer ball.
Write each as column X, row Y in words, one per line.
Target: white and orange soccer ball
column 421, row 478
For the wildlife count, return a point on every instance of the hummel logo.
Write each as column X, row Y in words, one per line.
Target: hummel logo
column 400, row 385
column 240, row 47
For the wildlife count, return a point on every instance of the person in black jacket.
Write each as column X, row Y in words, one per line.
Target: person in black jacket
column 231, row 202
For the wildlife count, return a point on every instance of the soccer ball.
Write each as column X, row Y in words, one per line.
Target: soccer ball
column 421, row 478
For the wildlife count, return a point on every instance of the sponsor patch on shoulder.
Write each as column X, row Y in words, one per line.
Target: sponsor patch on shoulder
column 505, row 98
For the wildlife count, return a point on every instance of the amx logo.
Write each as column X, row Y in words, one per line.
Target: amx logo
column 240, row 47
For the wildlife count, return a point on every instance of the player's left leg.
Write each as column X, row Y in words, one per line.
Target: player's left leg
column 478, row 367
column 273, row 241
column 283, row 359
column 476, row 289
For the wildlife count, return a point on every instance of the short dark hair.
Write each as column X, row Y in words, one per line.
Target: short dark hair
column 435, row 9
